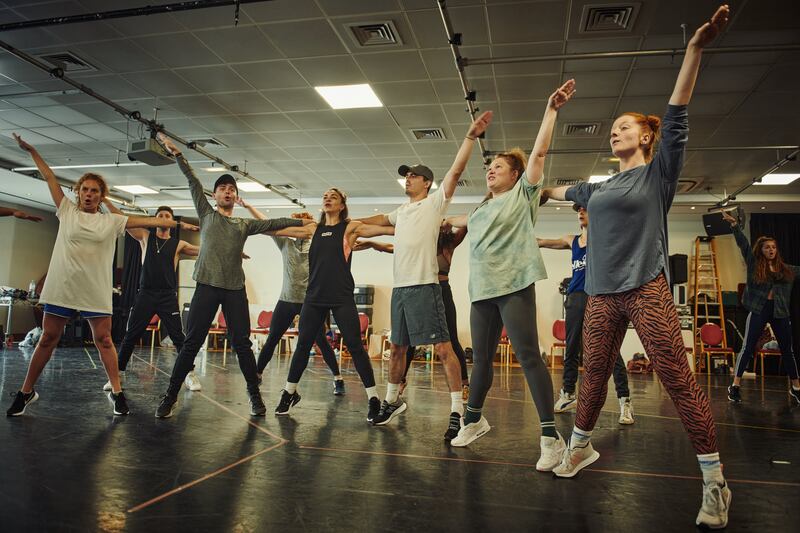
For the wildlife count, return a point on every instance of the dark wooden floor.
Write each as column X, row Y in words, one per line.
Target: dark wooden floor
column 69, row 465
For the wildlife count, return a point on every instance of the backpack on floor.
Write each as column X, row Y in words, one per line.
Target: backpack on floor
column 640, row 364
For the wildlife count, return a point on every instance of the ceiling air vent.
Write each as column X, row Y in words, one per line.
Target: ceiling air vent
column 581, row 129
column 428, row 134
column 462, row 183
column 618, row 18
column 68, row 62
column 374, row 34
column 560, row 182
column 284, row 187
column 213, row 141
column 688, row 185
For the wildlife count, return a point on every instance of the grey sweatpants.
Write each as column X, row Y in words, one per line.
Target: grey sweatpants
column 518, row 312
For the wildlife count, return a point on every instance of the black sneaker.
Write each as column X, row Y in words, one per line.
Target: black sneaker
column 257, row 407
column 287, row 400
column 794, row 393
column 453, row 428
column 338, row 387
column 120, row 403
column 374, row 408
column 388, row 412
column 167, row 406
column 733, row 394
column 21, row 401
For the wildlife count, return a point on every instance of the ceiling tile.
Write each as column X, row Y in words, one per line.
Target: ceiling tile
column 279, row 10
column 588, row 109
column 365, row 118
column 598, row 84
column 63, row 115
column 172, row 50
column 335, row 8
column 194, row 105
column 405, row 92
column 62, row 134
column 291, row 138
column 399, row 150
column 419, row 116
column 394, row 66
column 526, row 49
column 239, row 44
column 430, row 33
column 216, row 79
column 270, row 75
column 527, row 87
column 380, row 135
column 316, row 120
column 730, row 79
column 244, row 102
column 348, row 151
column 300, row 99
column 340, row 70
column 651, row 82
column 161, row 83
column 24, row 119
column 440, row 62
column 507, row 26
column 226, row 124
column 269, row 122
column 292, row 38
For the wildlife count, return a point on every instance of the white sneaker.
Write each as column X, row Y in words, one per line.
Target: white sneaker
column 625, row 411
column 470, row 432
column 575, row 459
column 716, row 502
column 193, row 382
column 108, row 388
column 565, row 402
column 552, row 451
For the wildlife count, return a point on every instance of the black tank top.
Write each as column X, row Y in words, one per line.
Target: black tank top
column 330, row 281
column 158, row 269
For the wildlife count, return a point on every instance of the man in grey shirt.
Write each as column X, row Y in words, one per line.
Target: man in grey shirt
column 220, row 281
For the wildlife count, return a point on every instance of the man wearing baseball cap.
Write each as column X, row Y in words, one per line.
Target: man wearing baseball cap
column 220, row 281
column 574, row 307
column 417, row 310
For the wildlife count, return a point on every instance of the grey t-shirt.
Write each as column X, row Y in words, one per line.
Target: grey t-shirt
column 295, row 268
column 628, row 235
column 222, row 238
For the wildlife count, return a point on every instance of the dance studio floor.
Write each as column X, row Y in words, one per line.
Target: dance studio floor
column 68, row 465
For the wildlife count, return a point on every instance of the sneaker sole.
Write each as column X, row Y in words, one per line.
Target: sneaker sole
column 396, row 412
column 259, row 413
column 168, row 415
column 471, row 440
column 580, row 466
column 626, row 422
column 567, row 407
column 724, row 524
column 117, row 413
column 35, row 397
column 195, row 389
column 795, row 398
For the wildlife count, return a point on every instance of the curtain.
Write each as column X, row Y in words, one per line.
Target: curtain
column 131, row 270
column 783, row 228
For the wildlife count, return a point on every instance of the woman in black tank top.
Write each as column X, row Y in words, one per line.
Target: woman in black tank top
column 330, row 289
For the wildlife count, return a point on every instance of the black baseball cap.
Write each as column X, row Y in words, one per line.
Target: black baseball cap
column 419, row 170
column 578, row 207
column 224, row 180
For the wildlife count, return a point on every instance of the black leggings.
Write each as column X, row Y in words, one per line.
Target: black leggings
column 452, row 329
column 312, row 317
column 282, row 318
column 163, row 303
column 205, row 302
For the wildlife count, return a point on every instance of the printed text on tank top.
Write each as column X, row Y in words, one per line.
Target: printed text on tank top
column 345, row 242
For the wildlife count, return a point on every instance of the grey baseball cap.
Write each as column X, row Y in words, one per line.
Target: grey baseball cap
column 419, row 170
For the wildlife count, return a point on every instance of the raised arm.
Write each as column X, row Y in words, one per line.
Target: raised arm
column 475, row 130
column 376, row 220
column 684, row 85
column 741, row 240
column 564, row 243
column 22, row 215
column 253, row 211
column 56, row 192
column 535, row 169
column 375, row 245
column 139, row 234
column 201, row 203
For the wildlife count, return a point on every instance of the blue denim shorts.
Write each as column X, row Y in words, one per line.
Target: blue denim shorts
column 66, row 312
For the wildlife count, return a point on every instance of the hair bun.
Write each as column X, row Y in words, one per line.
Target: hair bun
column 654, row 122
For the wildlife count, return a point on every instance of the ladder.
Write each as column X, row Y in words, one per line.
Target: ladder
column 707, row 293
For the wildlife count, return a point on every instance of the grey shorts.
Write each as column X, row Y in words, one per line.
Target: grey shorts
column 418, row 316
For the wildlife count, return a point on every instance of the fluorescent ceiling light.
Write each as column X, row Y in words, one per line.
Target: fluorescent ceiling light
column 92, row 165
column 597, row 178
column 778, row 179
column 251, row 186
column 136, row 189
column 402, row 182
column 349, row 96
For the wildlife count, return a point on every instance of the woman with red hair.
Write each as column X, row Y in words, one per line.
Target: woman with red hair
column 627, row 277
column 766, row 297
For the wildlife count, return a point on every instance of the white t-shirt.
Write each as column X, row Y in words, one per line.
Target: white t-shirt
column 80, row 273
column 415, row 236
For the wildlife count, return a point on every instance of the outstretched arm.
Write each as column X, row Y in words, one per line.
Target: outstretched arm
column 22, row 215
column 457, row 221
column 375, row 245
column 535, row 169
column 195, row 187
column 376, row 220
column 186, row 248
column 139, row 234
column 556, row 193
column 155, row 222
column 475, row 130
column 47, row 173
column 296, row 232
column 684, row 85
column 564, row 243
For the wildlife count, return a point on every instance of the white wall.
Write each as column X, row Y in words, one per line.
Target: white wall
column 264, row 271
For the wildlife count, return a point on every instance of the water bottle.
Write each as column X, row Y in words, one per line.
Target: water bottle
column 32, row 290
column 428, row 353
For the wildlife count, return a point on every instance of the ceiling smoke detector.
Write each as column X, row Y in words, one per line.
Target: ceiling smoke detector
column 374, row 34
column 428, row 134
column 618, row 18
column 581, row 129
column 68, row 62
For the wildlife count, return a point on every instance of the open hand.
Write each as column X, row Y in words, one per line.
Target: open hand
column 480, row 124
column 22, row 144
column 22, row 215
column 168, row 144
column 728, row 218
column 711, row 29
column 361, row 245
column 562, row 95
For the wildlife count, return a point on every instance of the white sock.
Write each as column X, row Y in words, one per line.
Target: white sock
column 372, row 392
column 291, row 388
column 793, row 387
column 580, row 438
column 392, row 392
column 711, row 468
column 456, row 405
column 623, row 401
